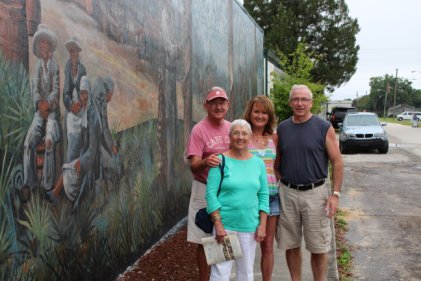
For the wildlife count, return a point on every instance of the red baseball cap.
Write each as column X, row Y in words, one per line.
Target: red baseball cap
column 216, row 92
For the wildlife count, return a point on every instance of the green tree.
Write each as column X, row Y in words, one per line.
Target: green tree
column 323, row 25
column 362, row 103
column 297, row 67
column 417, row 98
column 405, row 94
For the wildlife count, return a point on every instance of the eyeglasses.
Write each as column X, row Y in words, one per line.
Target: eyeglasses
column 302, row 100
column 216, row 103
column 238, row 134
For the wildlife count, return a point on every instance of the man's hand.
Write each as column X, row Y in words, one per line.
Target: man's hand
column 77, row 167
column 76, row 107
column 332, row 205
column 48, row 144
column 115, row 150
column 43, row 109
column 212, row 160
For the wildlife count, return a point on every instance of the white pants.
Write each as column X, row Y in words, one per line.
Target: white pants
column 222, row 271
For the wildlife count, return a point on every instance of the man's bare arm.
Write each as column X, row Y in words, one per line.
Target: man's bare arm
column 197, row 164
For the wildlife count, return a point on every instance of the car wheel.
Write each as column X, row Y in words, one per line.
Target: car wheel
column 384, row 148
column 400, row 119
column 343, row 148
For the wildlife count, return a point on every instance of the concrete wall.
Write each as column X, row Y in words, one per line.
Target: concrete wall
column 162, row 55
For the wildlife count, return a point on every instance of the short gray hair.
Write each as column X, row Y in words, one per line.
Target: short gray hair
column 298, row 87
column 241, row 123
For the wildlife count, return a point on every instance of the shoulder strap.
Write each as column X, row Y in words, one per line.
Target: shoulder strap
column 221, row 167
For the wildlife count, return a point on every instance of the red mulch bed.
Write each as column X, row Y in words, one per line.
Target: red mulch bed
column 173, row 259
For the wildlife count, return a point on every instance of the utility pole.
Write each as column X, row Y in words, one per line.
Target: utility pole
column 394, row 98
column 385, row 99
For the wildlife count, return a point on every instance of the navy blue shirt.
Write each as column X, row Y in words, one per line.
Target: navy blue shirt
column 302, row 148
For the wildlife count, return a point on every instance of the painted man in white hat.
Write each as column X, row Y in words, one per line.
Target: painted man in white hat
column 46, row 95
column 74, row 70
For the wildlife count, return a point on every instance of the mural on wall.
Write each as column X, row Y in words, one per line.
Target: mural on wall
column 97, row 100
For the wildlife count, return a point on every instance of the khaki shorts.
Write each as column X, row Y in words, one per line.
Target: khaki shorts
column 304, row 213
column 197, row 201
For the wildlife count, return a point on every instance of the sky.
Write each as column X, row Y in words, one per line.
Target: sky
column 389, row 39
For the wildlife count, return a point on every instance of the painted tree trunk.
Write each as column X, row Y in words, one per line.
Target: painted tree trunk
column 33, row 15
column 13, row 31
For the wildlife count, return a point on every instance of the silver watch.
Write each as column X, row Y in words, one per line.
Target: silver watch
column 337, row 194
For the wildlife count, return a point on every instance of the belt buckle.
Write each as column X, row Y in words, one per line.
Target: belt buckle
column 299, row 186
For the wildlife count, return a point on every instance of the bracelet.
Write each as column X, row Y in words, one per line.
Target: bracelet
column 216, row 217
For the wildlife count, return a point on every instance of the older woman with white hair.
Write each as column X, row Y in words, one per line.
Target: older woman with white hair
column 242, row 203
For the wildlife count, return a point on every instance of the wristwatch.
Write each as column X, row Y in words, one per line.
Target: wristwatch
column 337, row 194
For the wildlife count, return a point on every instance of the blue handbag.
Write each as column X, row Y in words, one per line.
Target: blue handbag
column 203, row 219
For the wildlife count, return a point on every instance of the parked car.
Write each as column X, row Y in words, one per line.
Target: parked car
column 362, row 130
column 407, row 115
column 338, row 113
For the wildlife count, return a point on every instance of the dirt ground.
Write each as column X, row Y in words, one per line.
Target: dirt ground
column 173, row 259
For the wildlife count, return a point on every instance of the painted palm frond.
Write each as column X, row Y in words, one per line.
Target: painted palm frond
column 5, row 242
column 39, row 224
column 16, row 105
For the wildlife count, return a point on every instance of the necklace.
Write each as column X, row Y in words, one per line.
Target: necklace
column 263, row 140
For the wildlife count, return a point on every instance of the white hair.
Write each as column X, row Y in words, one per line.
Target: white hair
column 241, row 123
column 299, row 87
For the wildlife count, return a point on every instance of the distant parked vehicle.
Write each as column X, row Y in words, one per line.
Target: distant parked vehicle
column 338, row 113
column 407, row 115
column 363, row 130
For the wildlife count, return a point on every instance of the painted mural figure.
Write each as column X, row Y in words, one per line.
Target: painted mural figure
column 102, row 93
column 80, row 173
column 46, row 95
column 74, row 70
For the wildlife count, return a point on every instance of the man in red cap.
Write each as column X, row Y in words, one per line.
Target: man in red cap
column 208, row 138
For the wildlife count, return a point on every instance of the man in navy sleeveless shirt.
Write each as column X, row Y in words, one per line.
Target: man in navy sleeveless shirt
column 306, row 145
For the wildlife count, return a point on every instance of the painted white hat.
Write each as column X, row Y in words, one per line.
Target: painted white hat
column 85, row 84
column 44, row 32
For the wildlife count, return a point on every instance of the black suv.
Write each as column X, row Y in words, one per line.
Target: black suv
column 338, row 113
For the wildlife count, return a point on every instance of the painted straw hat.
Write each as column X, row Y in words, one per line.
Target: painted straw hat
column 73, row 44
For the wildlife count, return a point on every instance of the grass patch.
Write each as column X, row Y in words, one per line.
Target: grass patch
column 394, row 120
column 343, row 250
